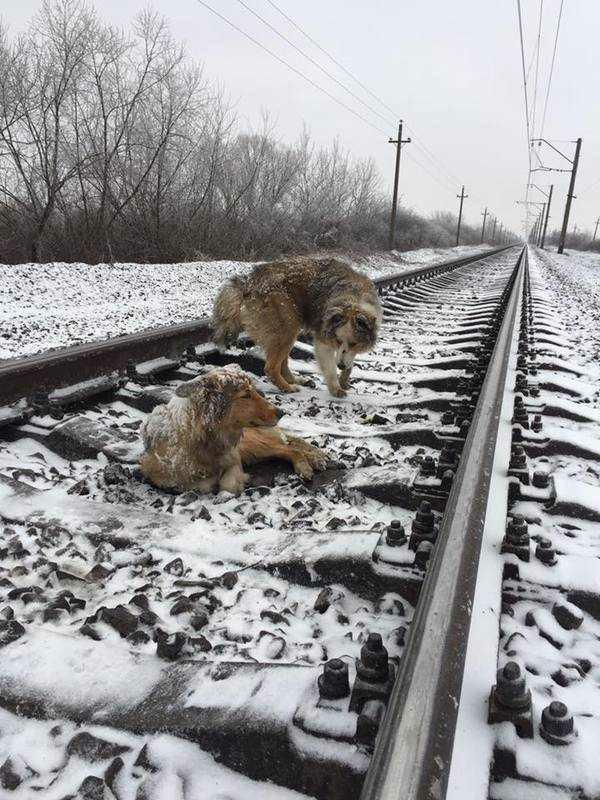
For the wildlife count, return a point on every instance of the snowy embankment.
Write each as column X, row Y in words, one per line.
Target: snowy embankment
column 46, row 306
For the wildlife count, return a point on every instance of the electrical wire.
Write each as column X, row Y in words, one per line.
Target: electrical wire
column 526, row 108
column 313, row 62
column 317, row 86
column 537, row 66
column 290, row 66
column 417, row 140
column 551, row 67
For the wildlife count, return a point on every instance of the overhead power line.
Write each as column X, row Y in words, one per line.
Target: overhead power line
column 537, row 66
column 317, row 86
column 290, row 66
column 314, row 63
column 417, row 140
column 551, row 67
column 527, row 128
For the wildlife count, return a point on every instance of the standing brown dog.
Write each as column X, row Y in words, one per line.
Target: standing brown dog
column 276, row 301
column 211, row 427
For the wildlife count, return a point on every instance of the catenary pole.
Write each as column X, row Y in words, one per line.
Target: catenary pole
column 543, row 242
column 570, row 196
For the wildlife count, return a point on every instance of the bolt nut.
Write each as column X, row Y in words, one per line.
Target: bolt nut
column 447, row 418
column 537, row 424
column 541, row 479
column 545, row 552
column 424, row 519
column 428, row 466
column 334, row 682
column 447, row 479
column 395, row 534
column 422, row 555
column 557, row 724
column 511, row 689
column 518, row 458
column 517, row 527
column 373, row 665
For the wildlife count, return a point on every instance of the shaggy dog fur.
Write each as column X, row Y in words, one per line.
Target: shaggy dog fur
column 276, row 301
column 212, row 426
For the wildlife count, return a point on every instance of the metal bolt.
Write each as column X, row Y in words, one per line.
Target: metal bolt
column 545, row 552
column 447, row 418
column 423, row 555
column 373, row 665
column 334, row 682
column 395, row 534
column 424, row 519
column 557, row 724
column 511, row 689
column 537, row 425
column 516, row 528
column 518, row 458
column 428, row 466
column 447, row 479
column 541, row 479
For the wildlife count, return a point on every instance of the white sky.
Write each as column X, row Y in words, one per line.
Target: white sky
column 452, row 70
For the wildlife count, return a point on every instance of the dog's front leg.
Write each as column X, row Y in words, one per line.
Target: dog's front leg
column 233, row 478
column 345, row 377
column 326, row 358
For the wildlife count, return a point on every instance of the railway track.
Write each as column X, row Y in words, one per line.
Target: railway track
column 420, row 620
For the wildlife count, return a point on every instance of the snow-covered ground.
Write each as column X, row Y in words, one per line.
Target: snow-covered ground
column 278, row 580
column 47, row 306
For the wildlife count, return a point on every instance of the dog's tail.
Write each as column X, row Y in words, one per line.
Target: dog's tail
column 226, row 318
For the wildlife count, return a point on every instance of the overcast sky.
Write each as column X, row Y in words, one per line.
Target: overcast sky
column 451, row 70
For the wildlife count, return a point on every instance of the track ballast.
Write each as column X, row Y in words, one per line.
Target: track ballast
column 273, row 630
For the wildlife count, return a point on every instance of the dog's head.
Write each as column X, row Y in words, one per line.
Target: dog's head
column 351, row 329
column 226, row 397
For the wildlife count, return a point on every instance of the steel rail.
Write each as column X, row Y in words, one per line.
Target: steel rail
column 414, row 746
column 22, row 377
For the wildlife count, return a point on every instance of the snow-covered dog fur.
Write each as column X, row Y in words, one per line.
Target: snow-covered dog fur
column 212, row 426
column 276, row 301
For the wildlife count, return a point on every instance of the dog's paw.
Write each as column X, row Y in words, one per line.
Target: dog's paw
column 318, row 460
column 303, row 468
column 304, row 380
column 292, row 387
column 234, row 483
column 337, row 391
column 345, row 379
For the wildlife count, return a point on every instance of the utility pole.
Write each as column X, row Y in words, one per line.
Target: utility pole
column 547, row 217
column 462, row 196
column 534, row 232
column 494, row 230
column 398, row 142
column 596, row 230
column 484, row 215
column 570, row 196
column 500, row 233
column 541, row 228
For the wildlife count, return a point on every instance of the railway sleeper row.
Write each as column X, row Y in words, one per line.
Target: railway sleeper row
column 542, row 708
column 210, row 589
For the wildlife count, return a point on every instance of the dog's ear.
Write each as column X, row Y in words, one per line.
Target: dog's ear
column 219, row 391
column 333, row 319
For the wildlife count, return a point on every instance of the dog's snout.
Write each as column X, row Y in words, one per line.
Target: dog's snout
column 341, row 365
column 280, row 413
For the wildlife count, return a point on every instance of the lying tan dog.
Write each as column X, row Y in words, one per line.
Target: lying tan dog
column 338, row 305
column 212, row 426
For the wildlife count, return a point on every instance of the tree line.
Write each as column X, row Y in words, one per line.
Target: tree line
column 115, row 146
